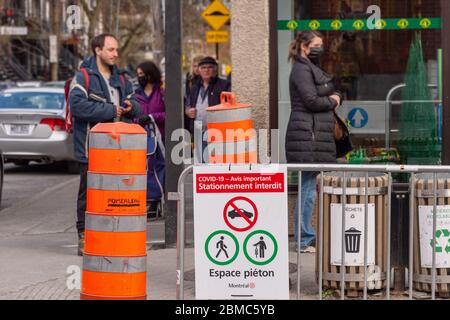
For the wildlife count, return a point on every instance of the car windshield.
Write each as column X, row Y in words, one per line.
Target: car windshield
column 31, row 100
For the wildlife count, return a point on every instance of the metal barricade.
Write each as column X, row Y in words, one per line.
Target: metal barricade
column 345, row 169
column 388, row 108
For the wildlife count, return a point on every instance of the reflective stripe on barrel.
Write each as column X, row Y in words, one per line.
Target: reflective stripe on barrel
column 229, row 115
column 115, row 264
column 116, row 236
column 116, row 182
column 117, row 142
column 116, row 223
column 114, row 278
column 116, row 194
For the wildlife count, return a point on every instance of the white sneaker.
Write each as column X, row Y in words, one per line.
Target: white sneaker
column 308, row 249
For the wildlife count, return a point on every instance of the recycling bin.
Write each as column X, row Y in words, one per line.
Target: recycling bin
column 353, row 232
column 423, row 234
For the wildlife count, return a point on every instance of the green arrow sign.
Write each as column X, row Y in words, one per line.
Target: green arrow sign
column 359, row 24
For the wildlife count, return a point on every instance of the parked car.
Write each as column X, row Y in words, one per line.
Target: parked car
column 32, row 126
column 55, row 84
column 28, row 84
column 6, row 85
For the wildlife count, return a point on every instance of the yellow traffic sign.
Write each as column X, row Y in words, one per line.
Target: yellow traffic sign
column 217, row 36
column 216, row 14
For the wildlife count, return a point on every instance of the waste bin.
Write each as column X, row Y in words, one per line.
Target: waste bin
column 354, row 231
column 352, row 240
column 423, row 234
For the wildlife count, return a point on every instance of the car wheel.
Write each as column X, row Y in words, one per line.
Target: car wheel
column 73, row 167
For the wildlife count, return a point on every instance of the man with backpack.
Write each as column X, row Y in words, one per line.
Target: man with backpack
column 98, row 93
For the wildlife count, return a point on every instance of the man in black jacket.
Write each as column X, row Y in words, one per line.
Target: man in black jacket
column 204, row 94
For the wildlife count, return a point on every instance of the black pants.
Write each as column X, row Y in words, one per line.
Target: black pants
column 81, row 202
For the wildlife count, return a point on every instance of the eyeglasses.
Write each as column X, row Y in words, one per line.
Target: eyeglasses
column 207, row 67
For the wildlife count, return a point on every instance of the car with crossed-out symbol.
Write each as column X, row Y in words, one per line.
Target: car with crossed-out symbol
column 235, row 214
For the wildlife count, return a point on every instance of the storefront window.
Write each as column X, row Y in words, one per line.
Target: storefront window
column 368, row 63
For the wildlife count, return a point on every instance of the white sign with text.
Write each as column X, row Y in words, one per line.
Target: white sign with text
column 353, row 236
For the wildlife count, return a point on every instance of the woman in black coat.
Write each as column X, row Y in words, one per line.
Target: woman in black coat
column 310, row 132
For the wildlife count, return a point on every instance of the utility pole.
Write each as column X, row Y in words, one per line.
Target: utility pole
column 55, row 38
column 174, row 111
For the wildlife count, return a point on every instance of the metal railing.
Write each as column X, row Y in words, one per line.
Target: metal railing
column 389, row 103
column 345, row 169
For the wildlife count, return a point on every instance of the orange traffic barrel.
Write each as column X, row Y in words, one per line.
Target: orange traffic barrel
column 115, row 257
column 231, row 135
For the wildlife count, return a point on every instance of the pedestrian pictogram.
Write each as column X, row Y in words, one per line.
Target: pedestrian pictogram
column 260, row 247
column 216, row 14
column 222, row 247
column 240, row 214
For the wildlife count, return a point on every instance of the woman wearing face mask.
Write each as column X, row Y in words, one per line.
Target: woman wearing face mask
column 151, row 99
column 310, row 132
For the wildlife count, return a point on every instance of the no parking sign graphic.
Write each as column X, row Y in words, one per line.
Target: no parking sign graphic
column 240, row 230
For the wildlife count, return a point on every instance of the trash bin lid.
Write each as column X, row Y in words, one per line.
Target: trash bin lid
column 353, row 231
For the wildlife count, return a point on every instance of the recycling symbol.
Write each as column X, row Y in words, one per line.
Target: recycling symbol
column 425, row 23
column 314, row 24
column 292, row 25
column 444, row 233
column 336, row 24
column 403, row 24
column 358, row 24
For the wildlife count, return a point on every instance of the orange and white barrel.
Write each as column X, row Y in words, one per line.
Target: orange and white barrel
column 231, row 134
column 114, row 263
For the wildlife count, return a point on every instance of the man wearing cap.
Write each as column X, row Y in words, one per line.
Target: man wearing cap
column 204, row 94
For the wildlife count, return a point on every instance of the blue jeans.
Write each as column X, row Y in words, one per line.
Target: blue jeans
column 308, row 234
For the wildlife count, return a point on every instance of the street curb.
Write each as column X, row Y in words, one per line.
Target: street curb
column 36, row 197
